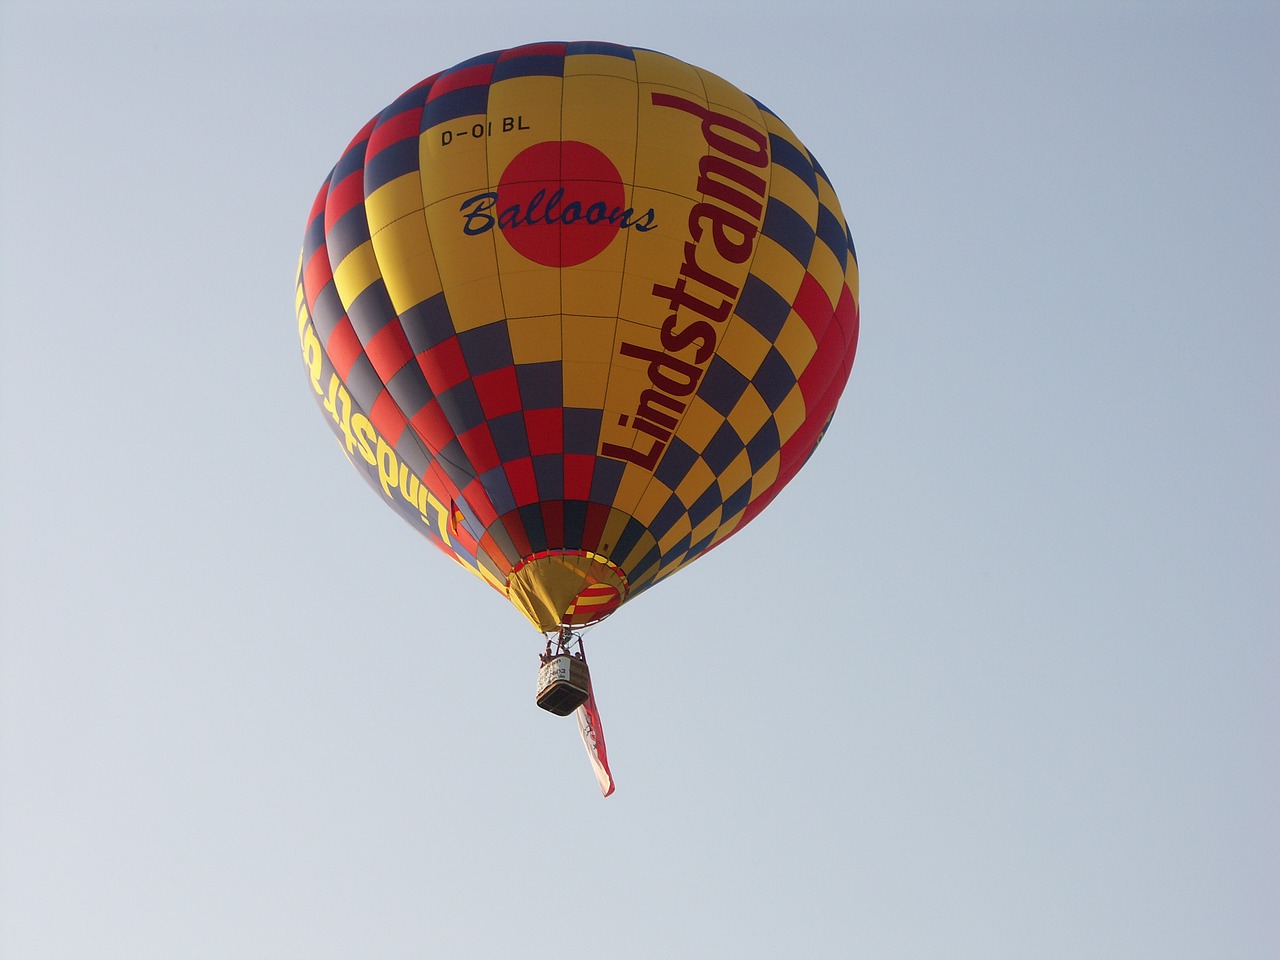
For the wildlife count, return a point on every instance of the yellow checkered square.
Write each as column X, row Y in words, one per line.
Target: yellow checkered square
column 535, row 339
column 589, row 64
column 743, row 347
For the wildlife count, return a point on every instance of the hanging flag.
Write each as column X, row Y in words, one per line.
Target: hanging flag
column 593, row 739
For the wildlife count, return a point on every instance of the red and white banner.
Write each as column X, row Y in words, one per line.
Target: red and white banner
column 593, row 739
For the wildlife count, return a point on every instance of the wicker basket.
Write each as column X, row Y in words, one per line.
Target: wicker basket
column 564, row 683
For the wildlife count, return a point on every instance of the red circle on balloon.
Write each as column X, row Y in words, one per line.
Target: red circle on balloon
column 560, row 202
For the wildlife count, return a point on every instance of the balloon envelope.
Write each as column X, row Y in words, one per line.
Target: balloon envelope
column 578, row 312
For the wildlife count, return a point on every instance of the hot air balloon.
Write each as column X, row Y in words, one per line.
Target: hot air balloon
column 578, row 312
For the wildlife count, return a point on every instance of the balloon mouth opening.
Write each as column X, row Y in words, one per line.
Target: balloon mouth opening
column 566, row 588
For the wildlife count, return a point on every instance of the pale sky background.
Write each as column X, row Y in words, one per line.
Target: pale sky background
column 997, row 677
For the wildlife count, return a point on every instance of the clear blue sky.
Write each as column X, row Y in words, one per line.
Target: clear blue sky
column 996, row 677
